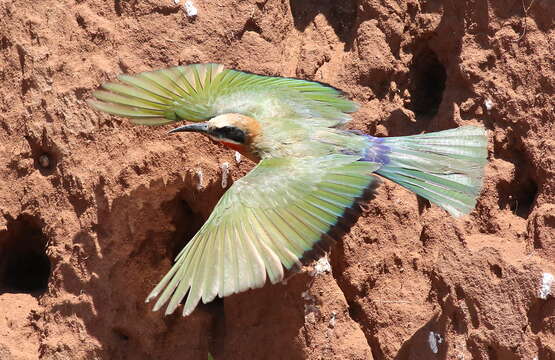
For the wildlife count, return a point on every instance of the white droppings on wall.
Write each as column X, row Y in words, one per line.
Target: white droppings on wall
column 190, row 9
column 225, row 174
column 322, row 266
column 545, row 286
column 488, row 104
column 434, row 340
column 332, row 319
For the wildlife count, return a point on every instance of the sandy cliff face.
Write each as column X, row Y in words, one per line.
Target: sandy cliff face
column 95, row 208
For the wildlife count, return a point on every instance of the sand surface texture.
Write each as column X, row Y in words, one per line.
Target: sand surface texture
column 96, row 208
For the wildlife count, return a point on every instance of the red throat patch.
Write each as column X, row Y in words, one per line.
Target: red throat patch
column 237, row 147
column 242, row 149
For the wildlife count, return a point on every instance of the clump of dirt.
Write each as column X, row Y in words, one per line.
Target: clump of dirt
column 93, row 209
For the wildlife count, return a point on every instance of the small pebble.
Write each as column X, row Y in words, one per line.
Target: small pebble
column 225, row 174
column 44, row 161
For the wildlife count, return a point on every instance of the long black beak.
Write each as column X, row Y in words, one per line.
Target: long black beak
column 200, row 128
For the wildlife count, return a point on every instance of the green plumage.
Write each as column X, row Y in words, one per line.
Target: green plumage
column 311, row 171
column 266, row 221
column 200, row 92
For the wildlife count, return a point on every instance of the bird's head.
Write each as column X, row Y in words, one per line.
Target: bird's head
column 235, row 131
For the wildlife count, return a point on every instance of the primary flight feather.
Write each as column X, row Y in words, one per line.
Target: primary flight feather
column 310, row 171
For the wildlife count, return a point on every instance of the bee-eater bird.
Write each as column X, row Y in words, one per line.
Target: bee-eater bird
column 310, row 170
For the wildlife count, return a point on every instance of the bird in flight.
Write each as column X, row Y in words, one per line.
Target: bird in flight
column 310, row 172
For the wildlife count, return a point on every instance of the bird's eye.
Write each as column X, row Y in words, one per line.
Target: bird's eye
column 230, row 133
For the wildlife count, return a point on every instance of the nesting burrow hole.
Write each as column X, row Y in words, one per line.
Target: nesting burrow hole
column 519, row 194
column 185, row 218
column 427, row 83
column 24, row 265
column 158, row 220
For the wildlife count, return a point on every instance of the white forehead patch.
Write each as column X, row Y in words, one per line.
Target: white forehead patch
column 221, row 120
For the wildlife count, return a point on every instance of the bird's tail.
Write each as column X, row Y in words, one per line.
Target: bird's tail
column 445, row 167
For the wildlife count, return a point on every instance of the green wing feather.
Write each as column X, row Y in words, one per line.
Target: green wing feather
column 266, row 221
column 201, row 91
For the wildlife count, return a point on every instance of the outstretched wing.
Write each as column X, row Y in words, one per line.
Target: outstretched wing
column 266, row 221
column 202, row 91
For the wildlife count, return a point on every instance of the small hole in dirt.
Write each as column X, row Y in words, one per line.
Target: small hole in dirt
column 250, row 25
column 24, row 265
column 496, row 269
column 5, row 43
column 526, row 198
column 424, row 236
column 80, row 21
column 427, row 83
column 520, row 195
column 45, row 161
column 460, row 292
column 44, row 153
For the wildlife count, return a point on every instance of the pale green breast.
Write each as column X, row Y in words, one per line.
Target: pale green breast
column 293, row 138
